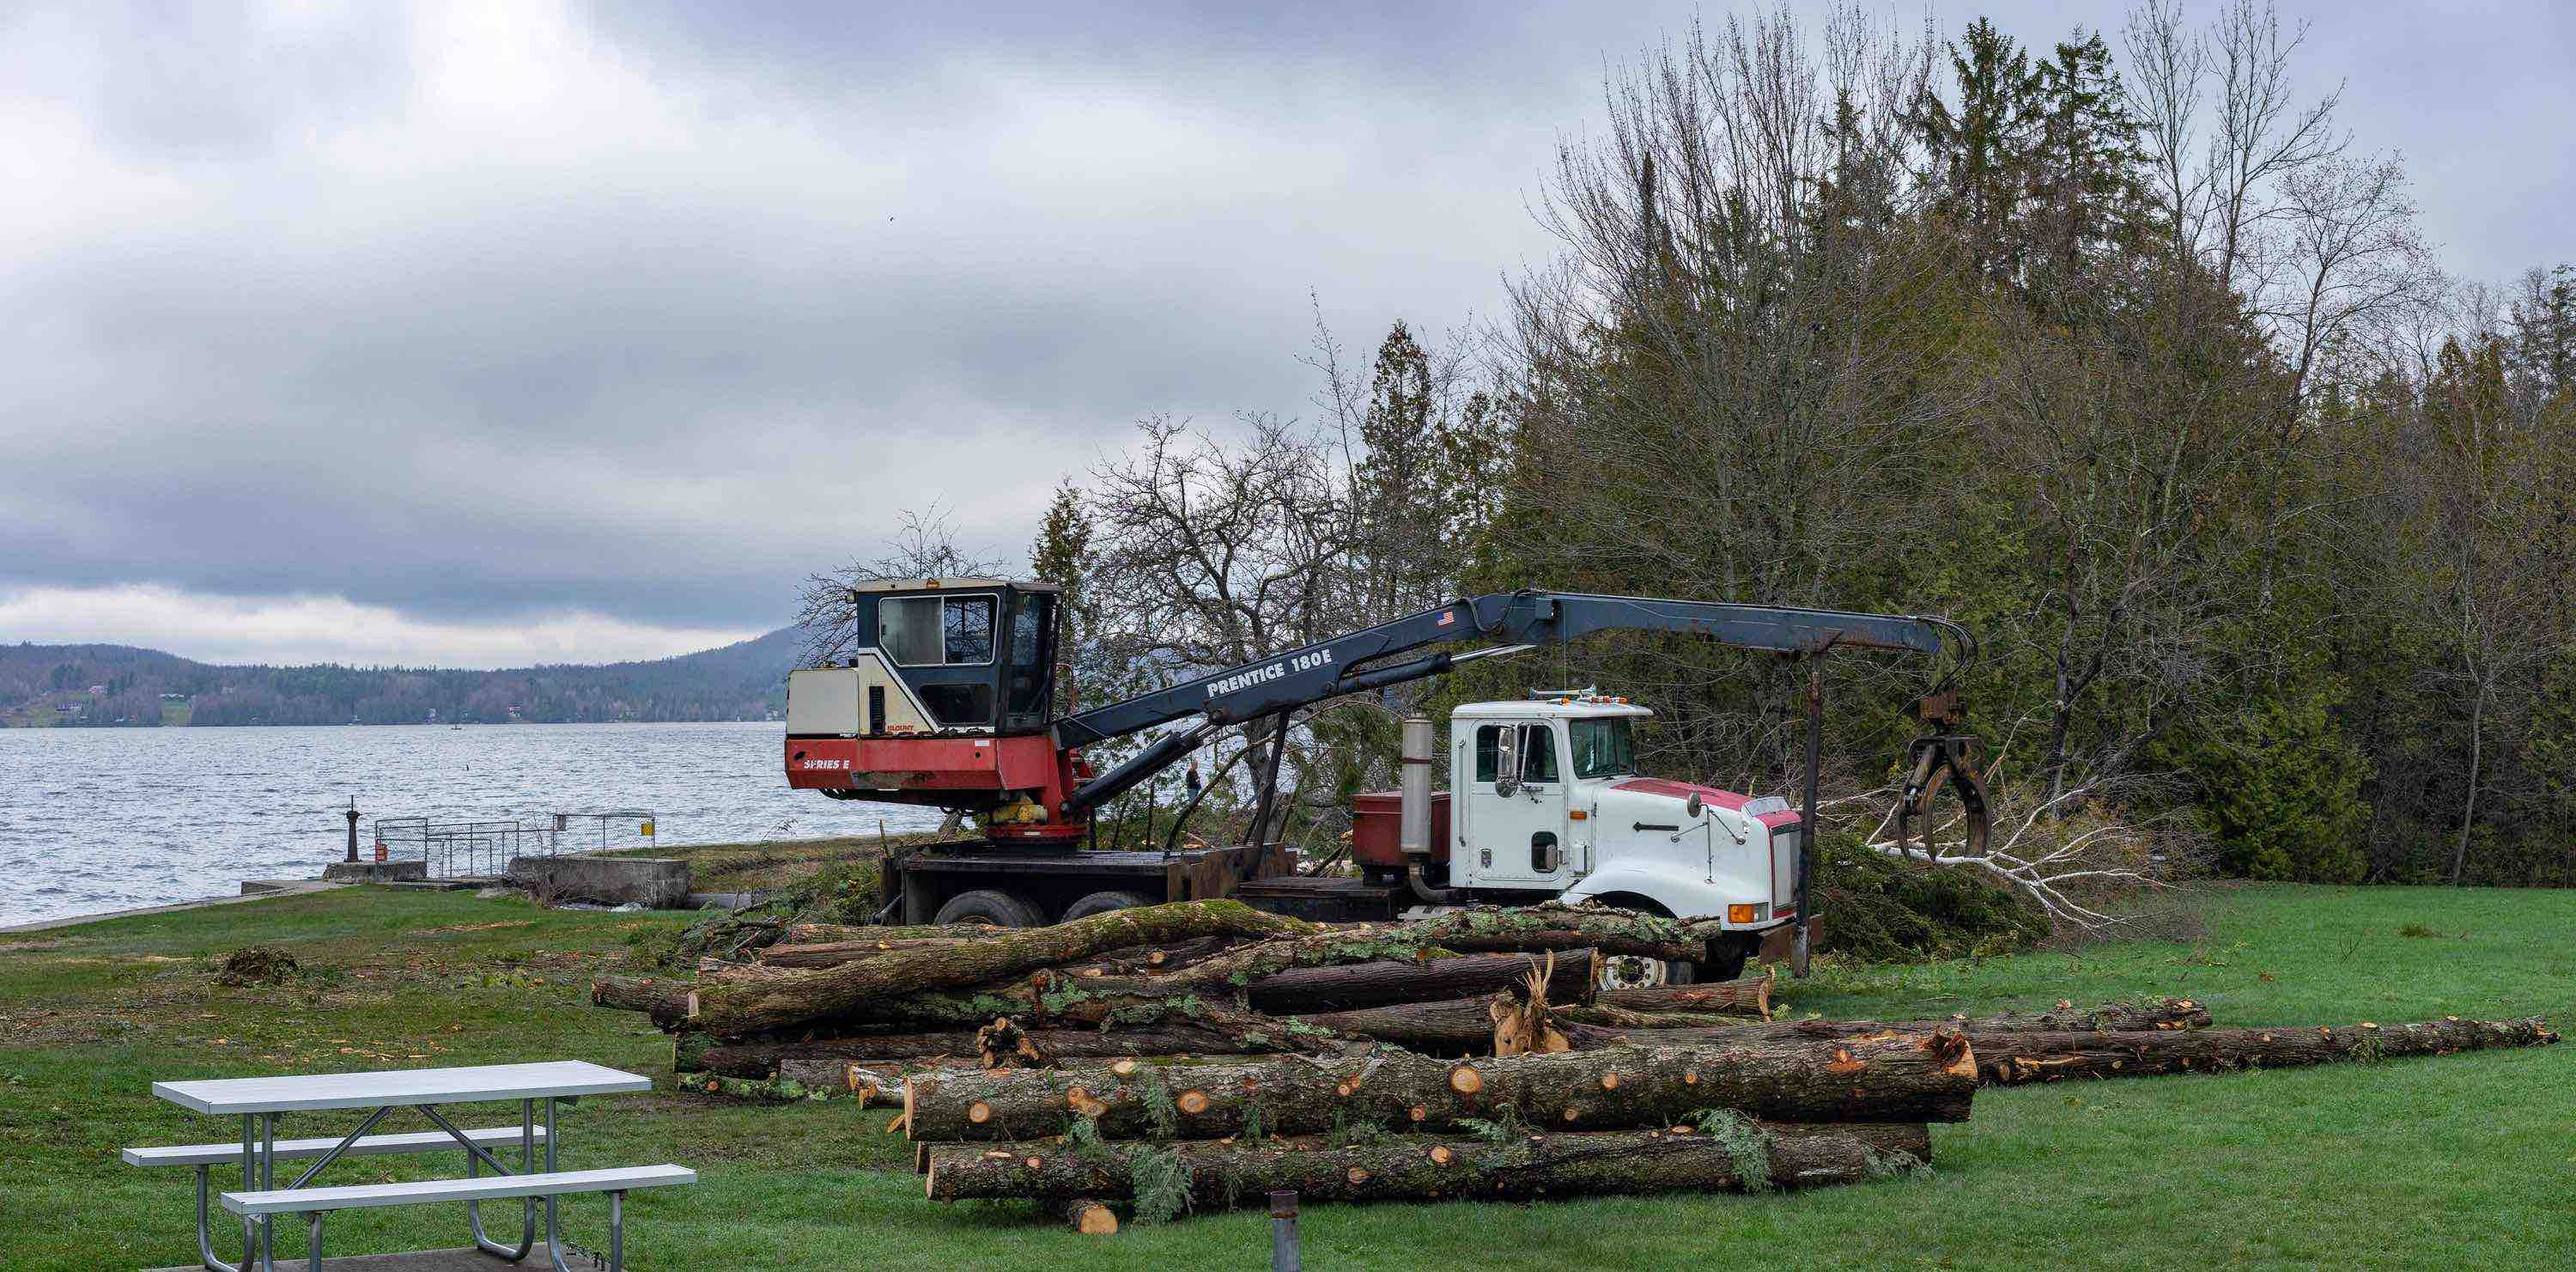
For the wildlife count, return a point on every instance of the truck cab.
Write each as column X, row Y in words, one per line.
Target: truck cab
column 1545, row 801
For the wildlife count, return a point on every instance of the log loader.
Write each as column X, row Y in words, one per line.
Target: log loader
column 948, row 702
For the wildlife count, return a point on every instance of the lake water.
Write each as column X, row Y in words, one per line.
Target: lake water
column 105, row 819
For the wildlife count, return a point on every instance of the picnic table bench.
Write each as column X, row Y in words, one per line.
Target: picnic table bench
column 259, row 1102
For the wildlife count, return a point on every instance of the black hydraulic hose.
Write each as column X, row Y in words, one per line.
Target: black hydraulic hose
column 1429, row 895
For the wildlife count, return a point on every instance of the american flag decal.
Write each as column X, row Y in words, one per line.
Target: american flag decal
column 1446, row 617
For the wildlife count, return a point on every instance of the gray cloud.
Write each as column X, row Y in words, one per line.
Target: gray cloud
column 482, row 314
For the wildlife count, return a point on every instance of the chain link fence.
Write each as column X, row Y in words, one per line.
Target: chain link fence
column 483, row 847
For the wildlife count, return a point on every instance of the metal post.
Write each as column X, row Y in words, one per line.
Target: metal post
column 1284, row 1256
column 1807, row 828
column 250, row 1171
column 268, row 1180
column 617, row 1231
column 352, row 815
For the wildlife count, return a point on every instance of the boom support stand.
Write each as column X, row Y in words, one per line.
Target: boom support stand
column 1798, row 951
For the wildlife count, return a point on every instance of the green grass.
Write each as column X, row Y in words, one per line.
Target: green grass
column 2464, row 1161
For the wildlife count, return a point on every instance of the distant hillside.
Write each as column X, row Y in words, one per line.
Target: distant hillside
column 120, row 686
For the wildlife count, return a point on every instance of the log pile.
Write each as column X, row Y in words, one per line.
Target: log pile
column 1202, row 1055
column 1191, row 979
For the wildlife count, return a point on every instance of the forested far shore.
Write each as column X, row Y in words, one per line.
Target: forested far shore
column 117, row 686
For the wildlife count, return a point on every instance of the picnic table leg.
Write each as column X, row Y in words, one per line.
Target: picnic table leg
column 267, row 1180
column 527, row 1206
column 250, row 1177
column 205, row 1228
column 617, row 1231
column 554, row 1221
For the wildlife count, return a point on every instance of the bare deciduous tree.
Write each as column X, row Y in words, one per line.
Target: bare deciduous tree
column 924, row 546
column 1214, row 553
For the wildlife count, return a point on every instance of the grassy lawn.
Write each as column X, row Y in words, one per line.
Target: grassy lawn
column 2456, row 1161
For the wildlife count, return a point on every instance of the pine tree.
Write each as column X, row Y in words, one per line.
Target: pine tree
column 1397, row 480
column 1063, row 556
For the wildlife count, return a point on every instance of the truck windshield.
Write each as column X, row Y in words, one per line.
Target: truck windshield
column 1603, row 748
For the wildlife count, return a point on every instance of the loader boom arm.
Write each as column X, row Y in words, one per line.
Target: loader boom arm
column 1505, row 621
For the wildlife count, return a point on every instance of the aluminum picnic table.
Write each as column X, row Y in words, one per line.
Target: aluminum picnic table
column 260, row 1101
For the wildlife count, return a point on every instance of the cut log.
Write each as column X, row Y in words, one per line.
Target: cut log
column 767, row 1059
column 1486, row 930
column 756, row 999
column 662, row 998
column 1983, row 1031
column 1084, row 1215
column 2052, row 1057
column 1622, row 1018
column 820, row 933
column 1004, row 1045
column 1455, row 1026
column 1912, row 1078
column 1352, row 986
column 2162, row 1013
column 1412, row 1167
column 1749, row 996
column 835, row 953
column 1146, row 960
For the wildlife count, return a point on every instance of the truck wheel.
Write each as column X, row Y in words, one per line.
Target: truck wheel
column 987, row 905
column 1631, row 971
column 1103, row 903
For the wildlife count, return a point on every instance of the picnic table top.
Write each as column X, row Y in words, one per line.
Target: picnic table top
column 382, row 1087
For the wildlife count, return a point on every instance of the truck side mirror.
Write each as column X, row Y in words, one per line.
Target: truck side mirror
column 1696, row 806
column 1507, row 761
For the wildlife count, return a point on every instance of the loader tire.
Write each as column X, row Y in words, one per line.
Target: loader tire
column 991, row 905
column 1102, row 903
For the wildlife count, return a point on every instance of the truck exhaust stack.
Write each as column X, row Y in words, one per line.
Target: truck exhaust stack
column 1413, row 814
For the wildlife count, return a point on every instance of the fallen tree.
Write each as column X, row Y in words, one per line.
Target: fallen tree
column 1914, row 1078
column 1354, row 986
column 1747, row 996
column 1737, row 1156
column 2053, row 1057
column 1590, row 1033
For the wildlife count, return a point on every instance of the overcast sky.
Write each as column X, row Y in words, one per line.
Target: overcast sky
column 483, row 334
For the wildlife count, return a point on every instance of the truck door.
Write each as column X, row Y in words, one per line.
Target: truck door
column 1514, row 836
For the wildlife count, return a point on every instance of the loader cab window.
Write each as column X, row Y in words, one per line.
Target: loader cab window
column 945, row 644
column 934, row 631
column 1030, row 678
column 1604, row 748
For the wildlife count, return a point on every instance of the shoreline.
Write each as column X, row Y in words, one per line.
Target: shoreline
column 271, row 888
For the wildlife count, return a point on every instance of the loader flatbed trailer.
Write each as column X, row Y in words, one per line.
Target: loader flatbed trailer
column 1056, row 880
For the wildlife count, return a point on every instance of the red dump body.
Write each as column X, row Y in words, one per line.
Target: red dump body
column 1377, row 827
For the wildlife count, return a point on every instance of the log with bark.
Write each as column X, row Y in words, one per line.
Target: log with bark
column 1353, row 986
column 1451, row 1026
column 822, row 933
column 1593, row 1032
column 1742, row 1157
column 835, row 953
column 1912, row 1078
column 2053, row 1057
column 1746, row 996
column 1481, row 930
column 754, row 999
column 662, row 998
